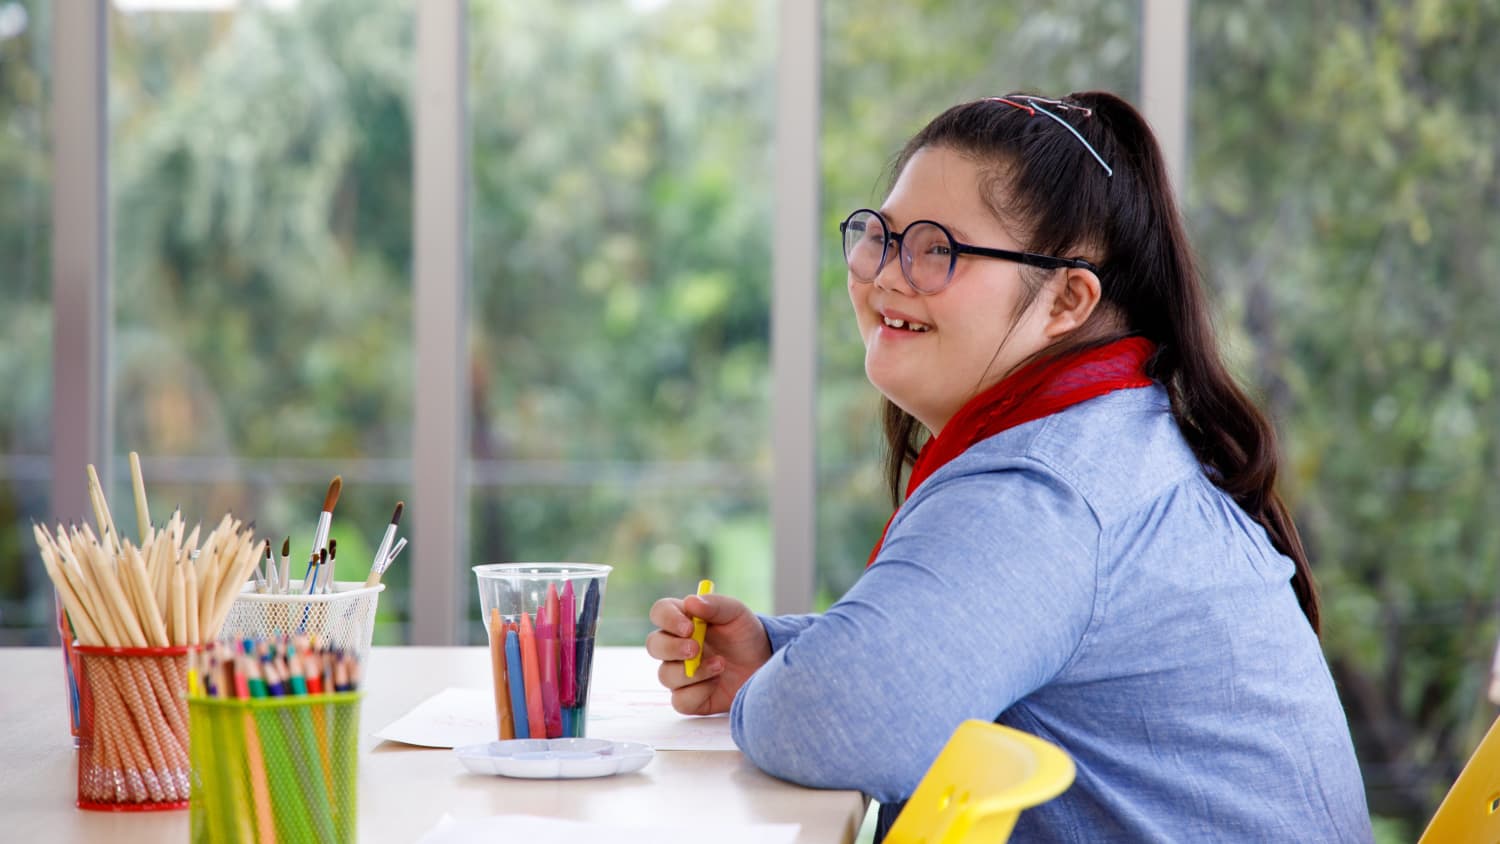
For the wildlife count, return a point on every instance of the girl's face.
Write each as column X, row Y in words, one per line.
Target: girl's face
column 967, row 336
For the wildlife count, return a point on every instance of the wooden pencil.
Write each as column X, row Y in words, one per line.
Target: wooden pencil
column 138, row 485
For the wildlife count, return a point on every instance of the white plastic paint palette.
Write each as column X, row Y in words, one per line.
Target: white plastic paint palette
column 561, row 758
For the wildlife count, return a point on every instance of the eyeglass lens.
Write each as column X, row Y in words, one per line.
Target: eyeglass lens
column 926, row 251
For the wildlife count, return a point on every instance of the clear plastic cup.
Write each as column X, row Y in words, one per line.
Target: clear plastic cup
column 544, row 617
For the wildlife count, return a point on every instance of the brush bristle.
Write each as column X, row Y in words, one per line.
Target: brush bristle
column 286, row 547
column 396, row 516
column 332, row 497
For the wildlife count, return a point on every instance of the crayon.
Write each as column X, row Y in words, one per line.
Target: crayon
column 700, row 628
column 531, row 674
column 522, row 725
column 567, row 672
column 546, row 647
column 588, row 619
column 503, row 721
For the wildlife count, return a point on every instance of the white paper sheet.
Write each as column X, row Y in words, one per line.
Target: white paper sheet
column 531, row 828
column 450, row 718
column 455, row 717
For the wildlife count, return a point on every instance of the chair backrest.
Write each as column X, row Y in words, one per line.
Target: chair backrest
column 978, row 785
column 1471, row 811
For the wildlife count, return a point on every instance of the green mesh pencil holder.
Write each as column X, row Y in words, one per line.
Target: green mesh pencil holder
column 275, row 769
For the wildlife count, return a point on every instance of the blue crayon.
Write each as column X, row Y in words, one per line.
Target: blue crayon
column 517, row 685
column 588, row 619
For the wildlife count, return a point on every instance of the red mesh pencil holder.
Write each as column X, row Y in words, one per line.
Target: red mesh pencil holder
column 133, row 728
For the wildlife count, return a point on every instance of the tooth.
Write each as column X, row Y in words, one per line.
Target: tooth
column 896, row 323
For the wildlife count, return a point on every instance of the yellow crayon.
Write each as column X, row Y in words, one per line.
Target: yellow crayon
column 699, row 628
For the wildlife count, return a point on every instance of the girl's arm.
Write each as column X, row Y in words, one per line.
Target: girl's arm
column 981, row 594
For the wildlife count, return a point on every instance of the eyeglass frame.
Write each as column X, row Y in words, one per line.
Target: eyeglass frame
column 1031, row 259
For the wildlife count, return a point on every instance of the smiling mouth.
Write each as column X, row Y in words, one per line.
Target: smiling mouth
column 906, row 325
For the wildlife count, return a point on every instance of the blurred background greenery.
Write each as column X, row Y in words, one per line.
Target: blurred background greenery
column 1340, row 189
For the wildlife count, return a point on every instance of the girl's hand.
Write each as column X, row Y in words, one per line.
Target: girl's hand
column 734, row 645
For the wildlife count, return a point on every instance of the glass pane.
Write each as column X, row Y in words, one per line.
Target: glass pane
column 889, row 67
column 26, row 610
column 684, row 534
column 260, row 168
column 621, row 217
column 1342, row 193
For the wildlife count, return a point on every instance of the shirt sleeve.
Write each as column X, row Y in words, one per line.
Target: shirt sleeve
column 982, row 592
column 781, row 629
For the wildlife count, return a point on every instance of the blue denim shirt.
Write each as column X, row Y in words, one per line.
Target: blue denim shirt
column 1080, row 578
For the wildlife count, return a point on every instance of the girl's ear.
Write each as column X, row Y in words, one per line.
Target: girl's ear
column 1076, row 297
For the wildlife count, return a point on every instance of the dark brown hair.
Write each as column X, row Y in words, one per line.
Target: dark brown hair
column 1047, row 187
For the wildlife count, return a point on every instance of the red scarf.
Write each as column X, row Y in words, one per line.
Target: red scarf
column 1038, row 389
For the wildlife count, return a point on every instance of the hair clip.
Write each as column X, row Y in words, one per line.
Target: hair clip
column 1061, row 104
column 1032, row 105
column 1028, row 109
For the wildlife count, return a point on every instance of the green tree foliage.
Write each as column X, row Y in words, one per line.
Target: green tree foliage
column 261, row 181
column 621, row 234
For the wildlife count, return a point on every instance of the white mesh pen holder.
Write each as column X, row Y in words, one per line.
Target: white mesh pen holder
column 343, row 618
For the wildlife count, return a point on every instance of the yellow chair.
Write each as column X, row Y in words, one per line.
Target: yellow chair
column 978, row 785
column 1471, row 811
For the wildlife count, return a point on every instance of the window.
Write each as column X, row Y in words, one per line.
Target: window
column 620, row 226
column 260, row 167
column 26, row 609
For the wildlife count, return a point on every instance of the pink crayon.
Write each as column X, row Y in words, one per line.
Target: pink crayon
column 567, row 686
column 546, row 640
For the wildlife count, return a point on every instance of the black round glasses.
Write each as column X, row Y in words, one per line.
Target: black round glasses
column 928, row 251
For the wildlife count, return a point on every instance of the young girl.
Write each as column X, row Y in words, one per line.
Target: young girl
column 1091, row 547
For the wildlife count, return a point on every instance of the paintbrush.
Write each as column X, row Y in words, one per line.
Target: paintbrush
column 325, row 518
column 390, row 558
column 378, row 565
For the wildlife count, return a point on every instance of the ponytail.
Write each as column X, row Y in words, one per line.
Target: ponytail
column 1230, row 436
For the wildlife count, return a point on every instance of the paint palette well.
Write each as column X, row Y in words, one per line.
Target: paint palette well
column 561, row 758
